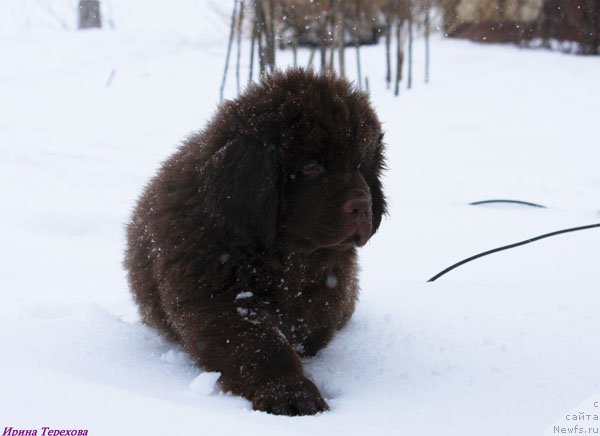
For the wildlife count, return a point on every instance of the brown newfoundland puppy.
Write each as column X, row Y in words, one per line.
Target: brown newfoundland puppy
column 243, row 246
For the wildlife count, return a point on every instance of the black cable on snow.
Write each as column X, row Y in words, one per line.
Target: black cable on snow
column 525, row 203
column 506, row 247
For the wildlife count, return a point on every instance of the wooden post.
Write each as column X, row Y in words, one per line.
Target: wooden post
column 332, row 36
column 263, row 57
column 357, row 44
column 239, row 43
column 388, row 46
column 271, row 35
column 252, row 43
column 341, row 36
column 410, row 44
column 399, row 52
column 89, row 14
column 231, row 32
column 323, row 46
column 427, row 24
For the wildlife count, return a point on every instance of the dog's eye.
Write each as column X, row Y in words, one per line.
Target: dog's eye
column 312, row 168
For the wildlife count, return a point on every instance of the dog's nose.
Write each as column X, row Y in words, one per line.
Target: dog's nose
column 358, row 206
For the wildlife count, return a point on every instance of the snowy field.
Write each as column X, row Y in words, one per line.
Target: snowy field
column 505, row 345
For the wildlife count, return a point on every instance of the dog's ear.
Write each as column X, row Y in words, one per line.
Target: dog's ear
column 373, row 179
column 244, row 189
column 379, row 204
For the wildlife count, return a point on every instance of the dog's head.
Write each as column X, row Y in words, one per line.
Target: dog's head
column 299, row 161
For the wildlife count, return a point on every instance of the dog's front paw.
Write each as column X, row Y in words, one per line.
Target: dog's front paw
column 292, row 395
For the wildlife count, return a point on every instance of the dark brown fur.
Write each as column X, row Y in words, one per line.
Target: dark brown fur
column 242, row 247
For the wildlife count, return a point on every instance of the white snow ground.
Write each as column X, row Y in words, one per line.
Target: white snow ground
column 504, row 345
